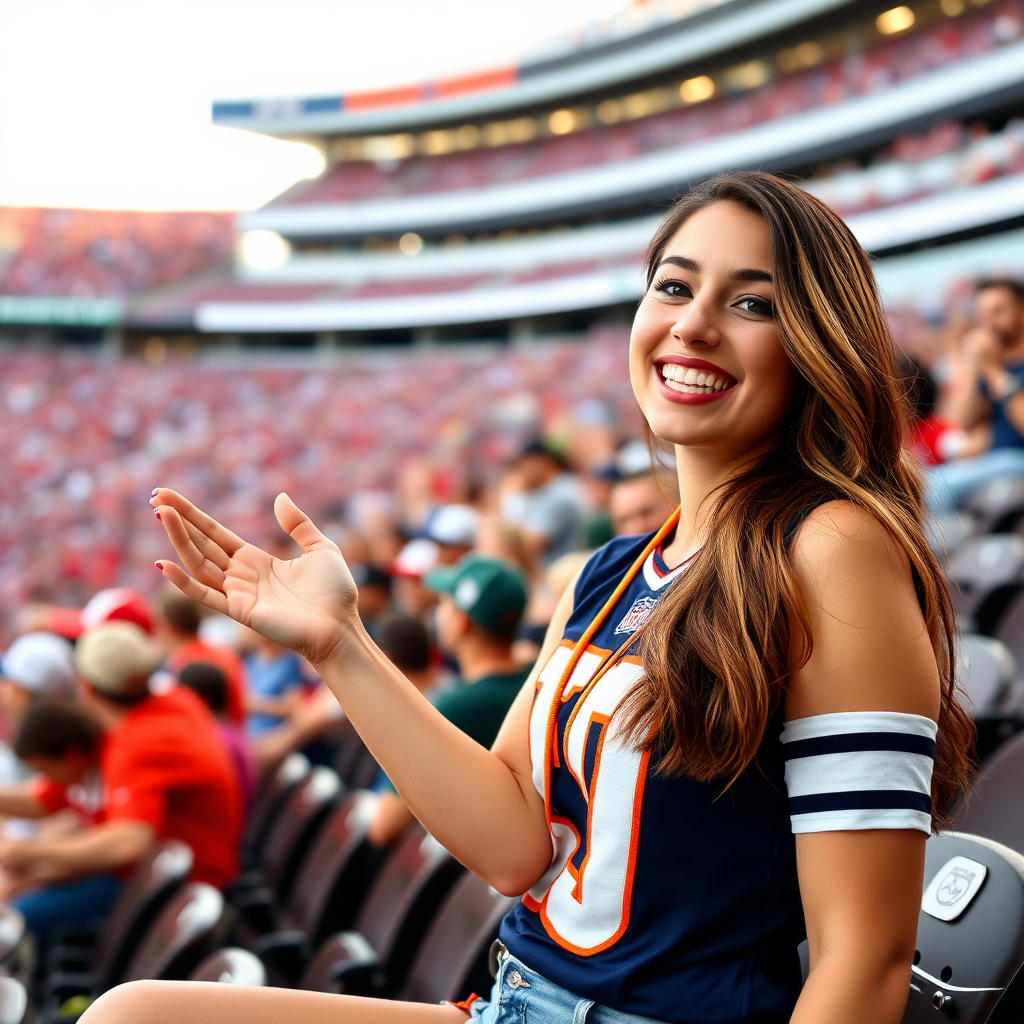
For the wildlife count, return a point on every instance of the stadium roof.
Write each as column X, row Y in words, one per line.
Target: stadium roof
column 959, row 89
column 721, row 28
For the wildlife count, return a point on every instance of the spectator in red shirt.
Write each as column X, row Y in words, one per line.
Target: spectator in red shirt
column 166, row 775
column 177, row 633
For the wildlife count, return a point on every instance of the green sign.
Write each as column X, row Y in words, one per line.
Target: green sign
column 38, row 309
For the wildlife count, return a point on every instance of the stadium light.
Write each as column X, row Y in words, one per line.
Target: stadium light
column 695, row 90
column 410, row 244
column 896, row 20
column 263, row 250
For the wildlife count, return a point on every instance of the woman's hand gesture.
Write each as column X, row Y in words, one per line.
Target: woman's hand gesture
column 306, row 603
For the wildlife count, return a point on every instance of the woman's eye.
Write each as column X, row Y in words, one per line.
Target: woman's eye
column 673, row 289
column 752, row 304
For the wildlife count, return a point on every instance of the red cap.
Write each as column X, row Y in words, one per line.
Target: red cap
column 117, row 604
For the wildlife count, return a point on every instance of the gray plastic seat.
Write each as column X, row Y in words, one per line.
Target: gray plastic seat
column 988, row 573
column 333, row 883
column 294, row 830
column 998, row 506
column 452, row 961
column 948, row 531
column 995, row 808
column 185, row 931
column 970, row 934
column 232, row 966
column 270, row 801
column 986, row 670
column 13, row 1001
column 375, row 957
column 98, row 959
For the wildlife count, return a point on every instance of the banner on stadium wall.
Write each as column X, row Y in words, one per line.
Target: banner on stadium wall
column 38, row 309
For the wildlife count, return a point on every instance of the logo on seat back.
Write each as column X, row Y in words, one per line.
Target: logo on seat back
column 953, row 887
column 637, row 615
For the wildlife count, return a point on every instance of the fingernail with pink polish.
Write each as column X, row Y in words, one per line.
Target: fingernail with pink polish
column 156, row 512
column 152, row 493
column 159, row 566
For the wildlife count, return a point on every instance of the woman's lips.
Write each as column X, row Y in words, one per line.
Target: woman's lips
column 692, row 381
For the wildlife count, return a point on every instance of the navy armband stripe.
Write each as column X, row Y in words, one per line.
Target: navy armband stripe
column 844, row 743
column 868, row 799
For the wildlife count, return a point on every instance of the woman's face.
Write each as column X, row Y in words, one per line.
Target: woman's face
column 705, row 361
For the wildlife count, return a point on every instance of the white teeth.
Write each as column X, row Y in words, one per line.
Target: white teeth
column 691, row 381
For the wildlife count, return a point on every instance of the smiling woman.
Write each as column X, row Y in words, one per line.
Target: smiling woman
column 740, row 728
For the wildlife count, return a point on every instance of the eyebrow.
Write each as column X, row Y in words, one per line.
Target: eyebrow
column 685, row 263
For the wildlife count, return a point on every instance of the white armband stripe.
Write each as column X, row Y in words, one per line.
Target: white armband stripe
column 859, row 770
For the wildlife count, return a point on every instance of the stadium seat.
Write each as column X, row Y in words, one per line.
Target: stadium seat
column 13, row 1001
column 970, row 936
column 97, row 958
column 998, row 506
column 183, row 934
column 231, row 966
column 293, row 832
column 375, row 957
column 269, row 803
column 328, row 894
column 995, row 807
column 353, row 762
column 187, row 929
column 452, row 960
column 947, row 532
column 989, row 573
column 986, row 670
column 12, row 931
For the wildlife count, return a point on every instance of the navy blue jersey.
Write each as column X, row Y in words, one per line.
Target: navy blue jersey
column 666, row 897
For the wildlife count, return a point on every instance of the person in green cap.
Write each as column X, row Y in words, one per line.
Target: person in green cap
column 482, row 600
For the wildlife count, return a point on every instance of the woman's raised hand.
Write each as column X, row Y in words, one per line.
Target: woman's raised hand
column 306, row 603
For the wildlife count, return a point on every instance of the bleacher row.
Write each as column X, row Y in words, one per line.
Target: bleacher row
column 854, row 75
column 318, row 907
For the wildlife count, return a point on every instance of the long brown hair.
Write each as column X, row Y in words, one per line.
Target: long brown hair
column 720, row 648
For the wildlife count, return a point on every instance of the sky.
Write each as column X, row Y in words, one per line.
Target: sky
column 106, row 103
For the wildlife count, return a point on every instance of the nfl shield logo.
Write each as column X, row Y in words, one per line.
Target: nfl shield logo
column 637, row 615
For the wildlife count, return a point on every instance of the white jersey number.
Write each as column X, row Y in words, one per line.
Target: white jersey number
column 586, row 909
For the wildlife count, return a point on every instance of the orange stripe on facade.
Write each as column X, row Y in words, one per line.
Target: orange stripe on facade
column 499, row 78
column 385, row 98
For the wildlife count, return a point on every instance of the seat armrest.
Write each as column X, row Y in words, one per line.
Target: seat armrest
column 64, row 984
column 243, row 883
column 256, row 908
column 357, row 968
column 74, row 935
column 284, row 954
column 65, row 959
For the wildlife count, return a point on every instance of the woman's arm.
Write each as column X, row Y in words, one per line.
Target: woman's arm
column 861, row 889
column 480, row 804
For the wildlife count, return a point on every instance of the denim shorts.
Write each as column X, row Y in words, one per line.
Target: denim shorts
column 522, row 996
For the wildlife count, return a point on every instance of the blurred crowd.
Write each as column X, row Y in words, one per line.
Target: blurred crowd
column 129, row 715
column 106, row 253
column 86, row 441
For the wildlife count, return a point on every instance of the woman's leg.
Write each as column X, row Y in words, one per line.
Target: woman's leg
column 199, row 1002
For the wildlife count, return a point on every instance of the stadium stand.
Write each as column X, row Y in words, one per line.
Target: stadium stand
column 467, row 209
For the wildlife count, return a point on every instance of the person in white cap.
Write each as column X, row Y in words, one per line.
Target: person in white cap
column 453, row 528
column 35, row 665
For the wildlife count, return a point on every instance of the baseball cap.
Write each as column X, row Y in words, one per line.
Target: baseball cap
column 453, row 524
column 40, row 663
column 490, row 591
column 416, row 559
column 117, row 658
column 116, row 604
